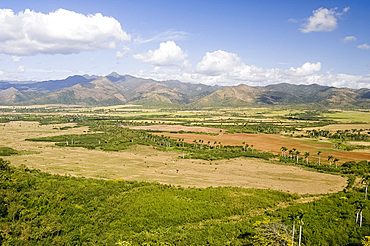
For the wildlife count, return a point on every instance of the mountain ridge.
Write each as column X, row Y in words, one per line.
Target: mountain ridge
column 116, row 89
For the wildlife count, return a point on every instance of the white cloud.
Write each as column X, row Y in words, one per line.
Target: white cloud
column 21, row 69
column 164, row 36
column 364, row 47
column 306, row 69
column 1, row 73
column 168, row 54
column 218, row 62
column 349, row 39
column 59, row 32
column 123, row 52
column 16, row 58
column 323, row 20
column 224, row 68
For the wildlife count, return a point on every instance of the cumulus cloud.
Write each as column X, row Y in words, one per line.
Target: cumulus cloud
column 168, row 54
column 349, row 39
column 16, row 59
column 218, row 62
column 1, row 73
column 306, row 69
column 323, row 20
column 364, row 47
column 224, row 68
column 21, row 69
column 60, row 32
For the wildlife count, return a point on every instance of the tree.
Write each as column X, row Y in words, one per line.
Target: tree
column 244, row 146
column 365, row 180
column 319, row 153
column 359, row 205
column 335, row 161
column 306, row 154
column 330, row 158
column 297, row 154
column 293, row 216
column 283, row 151
column 300, row 218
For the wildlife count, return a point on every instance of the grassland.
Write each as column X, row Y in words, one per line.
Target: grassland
column 144, row 163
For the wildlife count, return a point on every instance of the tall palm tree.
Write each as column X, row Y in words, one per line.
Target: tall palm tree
column 359, row 205
column 306, row 154
column 335, row 161
column 244, row 146
column 319, row 153
column 293, row 216
column 297, row 154
column 300, row 217
column 290, row 154
column 283, row 151
column 365, row 180
column 330, row 158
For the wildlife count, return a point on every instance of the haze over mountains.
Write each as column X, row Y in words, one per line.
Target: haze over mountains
column 116, row 89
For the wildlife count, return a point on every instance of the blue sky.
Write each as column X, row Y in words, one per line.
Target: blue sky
column 209, row 41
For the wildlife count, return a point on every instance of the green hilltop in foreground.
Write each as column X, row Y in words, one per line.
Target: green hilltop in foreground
column 117, row 89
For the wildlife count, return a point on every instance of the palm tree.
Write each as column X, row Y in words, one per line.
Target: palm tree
column 330, row 158
column 360, row 205
column 300, row 217
column 215, row 144
column 365, row 180
column 290, row 154
column 306, row 154
column 252, row 147
column 209, row 145
column 293, row 216
column 283, row 150
column 244, row 146
column 335, row 161
column 319, row 153
column 297, row 153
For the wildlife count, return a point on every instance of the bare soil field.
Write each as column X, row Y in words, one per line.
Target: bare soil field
column 144, row 163
column 273, row 143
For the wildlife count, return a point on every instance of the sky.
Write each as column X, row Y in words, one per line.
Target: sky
column 212, row 42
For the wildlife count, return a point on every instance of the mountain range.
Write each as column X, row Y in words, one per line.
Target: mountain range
column 115, row 89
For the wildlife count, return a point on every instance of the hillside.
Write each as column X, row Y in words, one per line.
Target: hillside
column 125, row 89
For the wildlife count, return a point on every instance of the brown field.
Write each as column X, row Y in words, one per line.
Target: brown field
column 273, row 143
column 147, row 164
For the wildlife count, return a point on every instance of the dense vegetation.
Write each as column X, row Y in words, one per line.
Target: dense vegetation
column 42, row 209
column 38, row 208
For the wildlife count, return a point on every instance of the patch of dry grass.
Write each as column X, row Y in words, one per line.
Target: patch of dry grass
column 144, row 163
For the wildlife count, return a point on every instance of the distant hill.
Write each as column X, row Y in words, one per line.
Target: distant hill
column 116, row 89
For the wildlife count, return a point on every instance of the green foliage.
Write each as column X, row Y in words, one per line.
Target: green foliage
column 6, row 151
column 330, row 220
column 42, row 209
